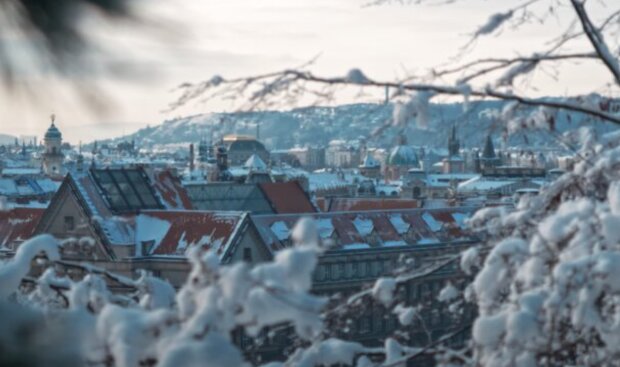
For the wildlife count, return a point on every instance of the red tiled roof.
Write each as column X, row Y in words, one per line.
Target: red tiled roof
column 362, row 204
column 385, row 229
column 171, row 190
column 178, row 230
column 345, row 230
column 423, row 226
column 287, row 197
column 18, row 224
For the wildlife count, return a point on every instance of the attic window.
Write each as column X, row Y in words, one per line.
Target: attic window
column 69, row 223
column 247, row 255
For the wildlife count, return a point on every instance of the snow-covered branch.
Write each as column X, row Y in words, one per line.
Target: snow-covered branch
column 597, row 40
column 301, row 76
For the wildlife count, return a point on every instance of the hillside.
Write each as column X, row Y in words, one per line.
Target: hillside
column 319, row 125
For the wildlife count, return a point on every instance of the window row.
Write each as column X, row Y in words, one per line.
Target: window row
column 353, row 270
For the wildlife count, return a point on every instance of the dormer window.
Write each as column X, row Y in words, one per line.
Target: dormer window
column 147, row 246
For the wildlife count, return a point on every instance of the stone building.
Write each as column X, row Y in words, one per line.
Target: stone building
column 52, row 158
column 366, row 245
column 370, row 167
column 128, row 219
column 310, row 158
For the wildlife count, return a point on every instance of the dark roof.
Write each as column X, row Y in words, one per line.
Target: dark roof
column 18, row 224
column 360, row 204
column 172, row 232
column 287, row 197
column 246, row 145
column 229, row 196
column 53, row 132
column 126, row 190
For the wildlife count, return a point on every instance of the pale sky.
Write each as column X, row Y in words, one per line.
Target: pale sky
column 244, row 37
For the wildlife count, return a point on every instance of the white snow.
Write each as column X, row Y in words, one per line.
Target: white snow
column 494, row 22
column 405, row 314
column 460, row 219
column 280, row 229
column 149, row 228
column 356, row 76
column 394, row 243
column 399, row 224
column 364, row 226
column 356, row 246
column 14, row 270
column 470, row 258
column 433, row 224
column 325, row 227
column 383, row 290
column 448, row 293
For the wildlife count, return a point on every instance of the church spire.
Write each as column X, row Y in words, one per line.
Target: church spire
column 489, row 149
column 453, row 143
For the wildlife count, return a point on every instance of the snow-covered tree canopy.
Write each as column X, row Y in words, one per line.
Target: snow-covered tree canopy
column 196, row 326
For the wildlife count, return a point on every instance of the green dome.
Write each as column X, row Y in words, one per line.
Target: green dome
column 53, row 133
column 403, row 155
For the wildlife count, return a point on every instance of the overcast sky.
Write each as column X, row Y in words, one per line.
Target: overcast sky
column 197, row 39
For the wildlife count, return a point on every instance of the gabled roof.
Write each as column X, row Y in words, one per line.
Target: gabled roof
column 18, row 224
column 340, row 204
column 287, row 197
column 374, row 229
column 265, row 197
column 218, row 196
column 136, row 189
column 119, row 228
column 171, row 233
column 255, row 163
column 24, row 186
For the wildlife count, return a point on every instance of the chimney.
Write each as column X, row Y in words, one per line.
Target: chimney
column 191, row 158
column 80, row 163
column 222, row 159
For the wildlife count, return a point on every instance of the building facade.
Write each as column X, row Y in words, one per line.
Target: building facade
column 52, row 158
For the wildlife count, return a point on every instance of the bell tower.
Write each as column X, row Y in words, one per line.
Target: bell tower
column 52, row 158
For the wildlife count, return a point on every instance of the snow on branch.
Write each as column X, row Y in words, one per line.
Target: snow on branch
column 294, row 78
column 597, row 40
column 16, row 269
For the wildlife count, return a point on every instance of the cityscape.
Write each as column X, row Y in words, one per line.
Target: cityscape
column 482, row 229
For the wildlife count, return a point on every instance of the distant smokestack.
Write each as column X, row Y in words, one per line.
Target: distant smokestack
column 191, row 158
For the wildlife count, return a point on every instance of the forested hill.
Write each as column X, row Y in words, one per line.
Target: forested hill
column 319, row 125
